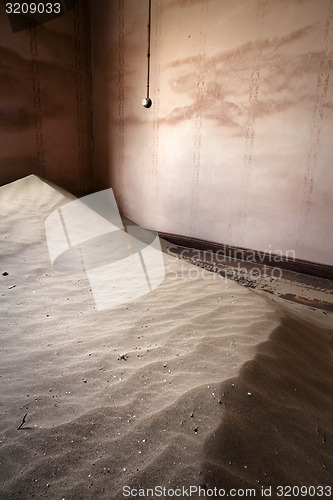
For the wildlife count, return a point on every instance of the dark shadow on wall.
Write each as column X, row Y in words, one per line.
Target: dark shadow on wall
column 45, row 115
column 277, row 427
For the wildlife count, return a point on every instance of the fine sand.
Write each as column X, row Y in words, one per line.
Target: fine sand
column 199, row 383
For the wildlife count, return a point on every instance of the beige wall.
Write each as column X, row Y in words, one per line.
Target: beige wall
column 45, row 105
column 238, row 145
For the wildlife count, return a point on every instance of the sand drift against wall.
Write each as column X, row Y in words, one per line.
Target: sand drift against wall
column 199, row 383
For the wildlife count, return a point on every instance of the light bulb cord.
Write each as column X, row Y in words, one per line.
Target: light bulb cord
column 148, row 51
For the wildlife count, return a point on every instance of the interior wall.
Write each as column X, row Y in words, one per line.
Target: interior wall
column 237, row 147
column 45, row 106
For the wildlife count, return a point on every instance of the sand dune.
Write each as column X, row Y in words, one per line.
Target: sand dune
column 276, row 426
column 199, row 383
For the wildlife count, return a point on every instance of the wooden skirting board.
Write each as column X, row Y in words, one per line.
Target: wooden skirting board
column 254, row 256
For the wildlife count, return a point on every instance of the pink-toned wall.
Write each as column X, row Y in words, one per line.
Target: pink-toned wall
column 238, row 145
column 45, row 100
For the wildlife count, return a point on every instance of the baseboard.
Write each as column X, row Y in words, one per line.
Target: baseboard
column 246, row 254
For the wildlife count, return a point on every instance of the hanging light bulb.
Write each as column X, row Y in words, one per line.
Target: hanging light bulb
column 147, row 102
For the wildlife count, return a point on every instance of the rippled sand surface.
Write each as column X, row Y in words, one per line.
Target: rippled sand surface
column 200, row 383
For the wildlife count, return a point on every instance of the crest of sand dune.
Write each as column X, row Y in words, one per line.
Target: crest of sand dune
column 200, row 383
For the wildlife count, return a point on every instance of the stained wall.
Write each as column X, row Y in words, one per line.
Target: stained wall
column 45, row 103
column 237, row 147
